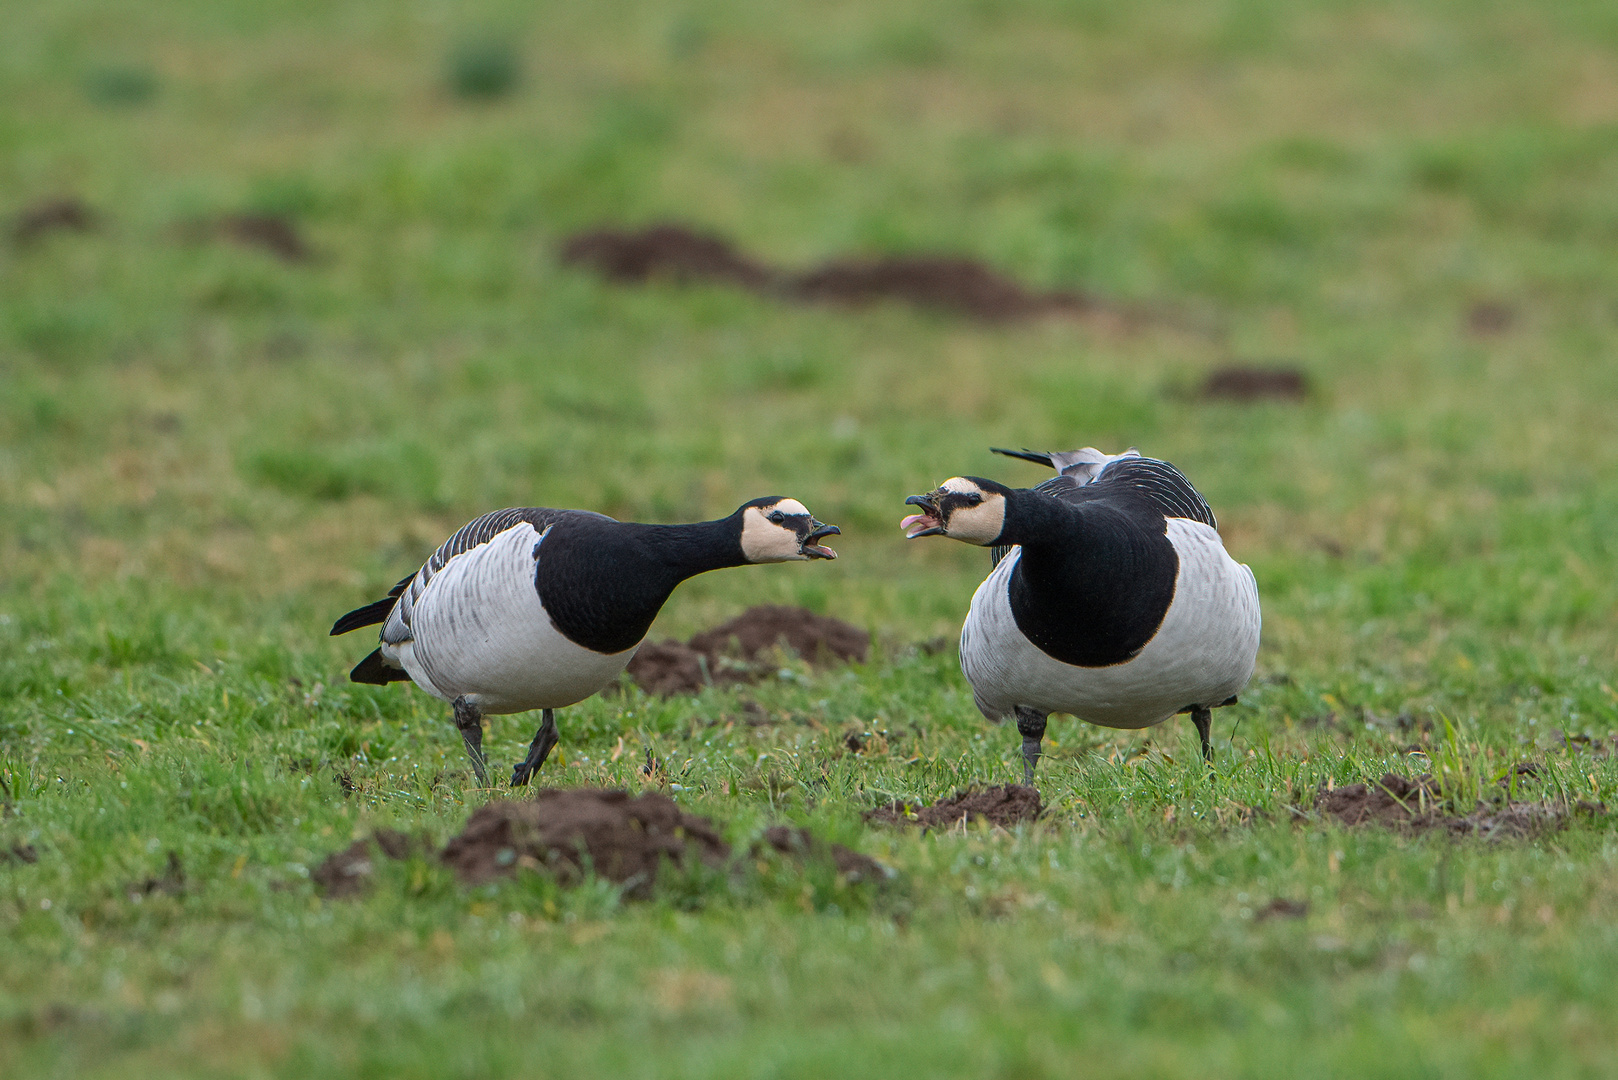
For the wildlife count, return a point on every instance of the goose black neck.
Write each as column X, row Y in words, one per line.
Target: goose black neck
column 688, row 550
column 603, row 582
column 1033, row 518
column 1093, row 581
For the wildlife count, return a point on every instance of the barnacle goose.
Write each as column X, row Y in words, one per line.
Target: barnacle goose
column 534, row 608
column 1111, row 596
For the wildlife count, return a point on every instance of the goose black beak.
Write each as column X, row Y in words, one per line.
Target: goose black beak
column 926, row 523
column 814, row 550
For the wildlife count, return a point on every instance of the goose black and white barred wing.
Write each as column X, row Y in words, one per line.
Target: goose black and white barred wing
column 393, row 610
column 396, row 628
column 1160, row 484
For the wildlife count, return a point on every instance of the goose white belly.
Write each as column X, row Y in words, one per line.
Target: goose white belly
column 1202, row 654
column 478, row 629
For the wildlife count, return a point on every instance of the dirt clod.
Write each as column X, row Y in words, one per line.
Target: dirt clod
column 1282, row 908
column 670, row 251
column 1489, row 318
column 1002, row 804
column 170, row 883
column 19, row 852
column 669, row 667
column 1416, row 805
column 568, row 832
column 52, row 215
column 729, row 654
column 273, row 233
column 620, row 837
column 804, row 844
column 1255, row 384
column 348, row 873
column 817, row 638
column 964, row 286
column 942, row 282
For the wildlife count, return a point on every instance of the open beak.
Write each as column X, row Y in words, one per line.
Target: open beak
column 926, row 523
column 814, row 550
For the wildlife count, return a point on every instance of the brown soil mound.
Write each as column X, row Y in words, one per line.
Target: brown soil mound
column 18, row 852
column 816, row 638
column 348, row 872
column 1415, row 806
column 51, row 216
column 945, row 282
column 1003, row 804
column 622, row 838
column 669, row 667
column 170, row 883
column 729, row 653
column 1282, row 908
column 805, row 844
column 1255, row 384
column 1488, row 318
column 950, row 283
column 663, row 251
column 273, row 233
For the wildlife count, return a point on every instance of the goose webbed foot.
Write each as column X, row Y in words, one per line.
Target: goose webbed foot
column 469, row 718
column 1031, row 725
column 545, row 739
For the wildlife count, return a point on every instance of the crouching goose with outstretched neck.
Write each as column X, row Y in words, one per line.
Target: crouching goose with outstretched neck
column 1112, row 597
column 534, row 608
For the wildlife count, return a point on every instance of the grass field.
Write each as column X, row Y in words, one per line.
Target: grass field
column 206, row 454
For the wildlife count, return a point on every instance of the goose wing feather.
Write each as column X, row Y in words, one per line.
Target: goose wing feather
column 1160, row 483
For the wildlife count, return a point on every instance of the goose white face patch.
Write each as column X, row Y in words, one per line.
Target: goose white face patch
column 765, row 540
column 960, row 510
column 976, row 522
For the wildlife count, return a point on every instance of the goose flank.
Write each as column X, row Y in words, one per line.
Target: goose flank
column 535, row 608
column 1111, row 596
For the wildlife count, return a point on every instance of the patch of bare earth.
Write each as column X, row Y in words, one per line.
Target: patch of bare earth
column 1255, row 384
column 941, row 282
column 349, row 872
column 171, row 882
column 803, row 844
column 64, row 214
column 1490, row 318
column 620, row 837
column 947, row 283
column 1003, row 804
column 1416, row 805
column 663, row 251
column 732, row 652
column 1282, row 908
column 271, row 233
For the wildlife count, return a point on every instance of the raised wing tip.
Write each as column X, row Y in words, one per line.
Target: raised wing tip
column 1026, row 455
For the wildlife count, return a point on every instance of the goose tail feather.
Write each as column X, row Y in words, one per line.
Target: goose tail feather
column 369, row 615
column 376, row 671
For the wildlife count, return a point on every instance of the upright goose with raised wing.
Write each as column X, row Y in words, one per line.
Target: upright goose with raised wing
column 1112, row 597
column 534, row 608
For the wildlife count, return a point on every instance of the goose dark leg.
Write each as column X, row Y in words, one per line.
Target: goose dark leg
column 544, row 740
column 1202, row 716
column 1031, row 723
column 469, row 718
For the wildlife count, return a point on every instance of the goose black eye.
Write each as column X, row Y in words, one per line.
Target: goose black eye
column 778, row 517
column 973, row 499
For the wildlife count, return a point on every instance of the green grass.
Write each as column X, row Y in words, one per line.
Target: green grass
column 206, row 455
